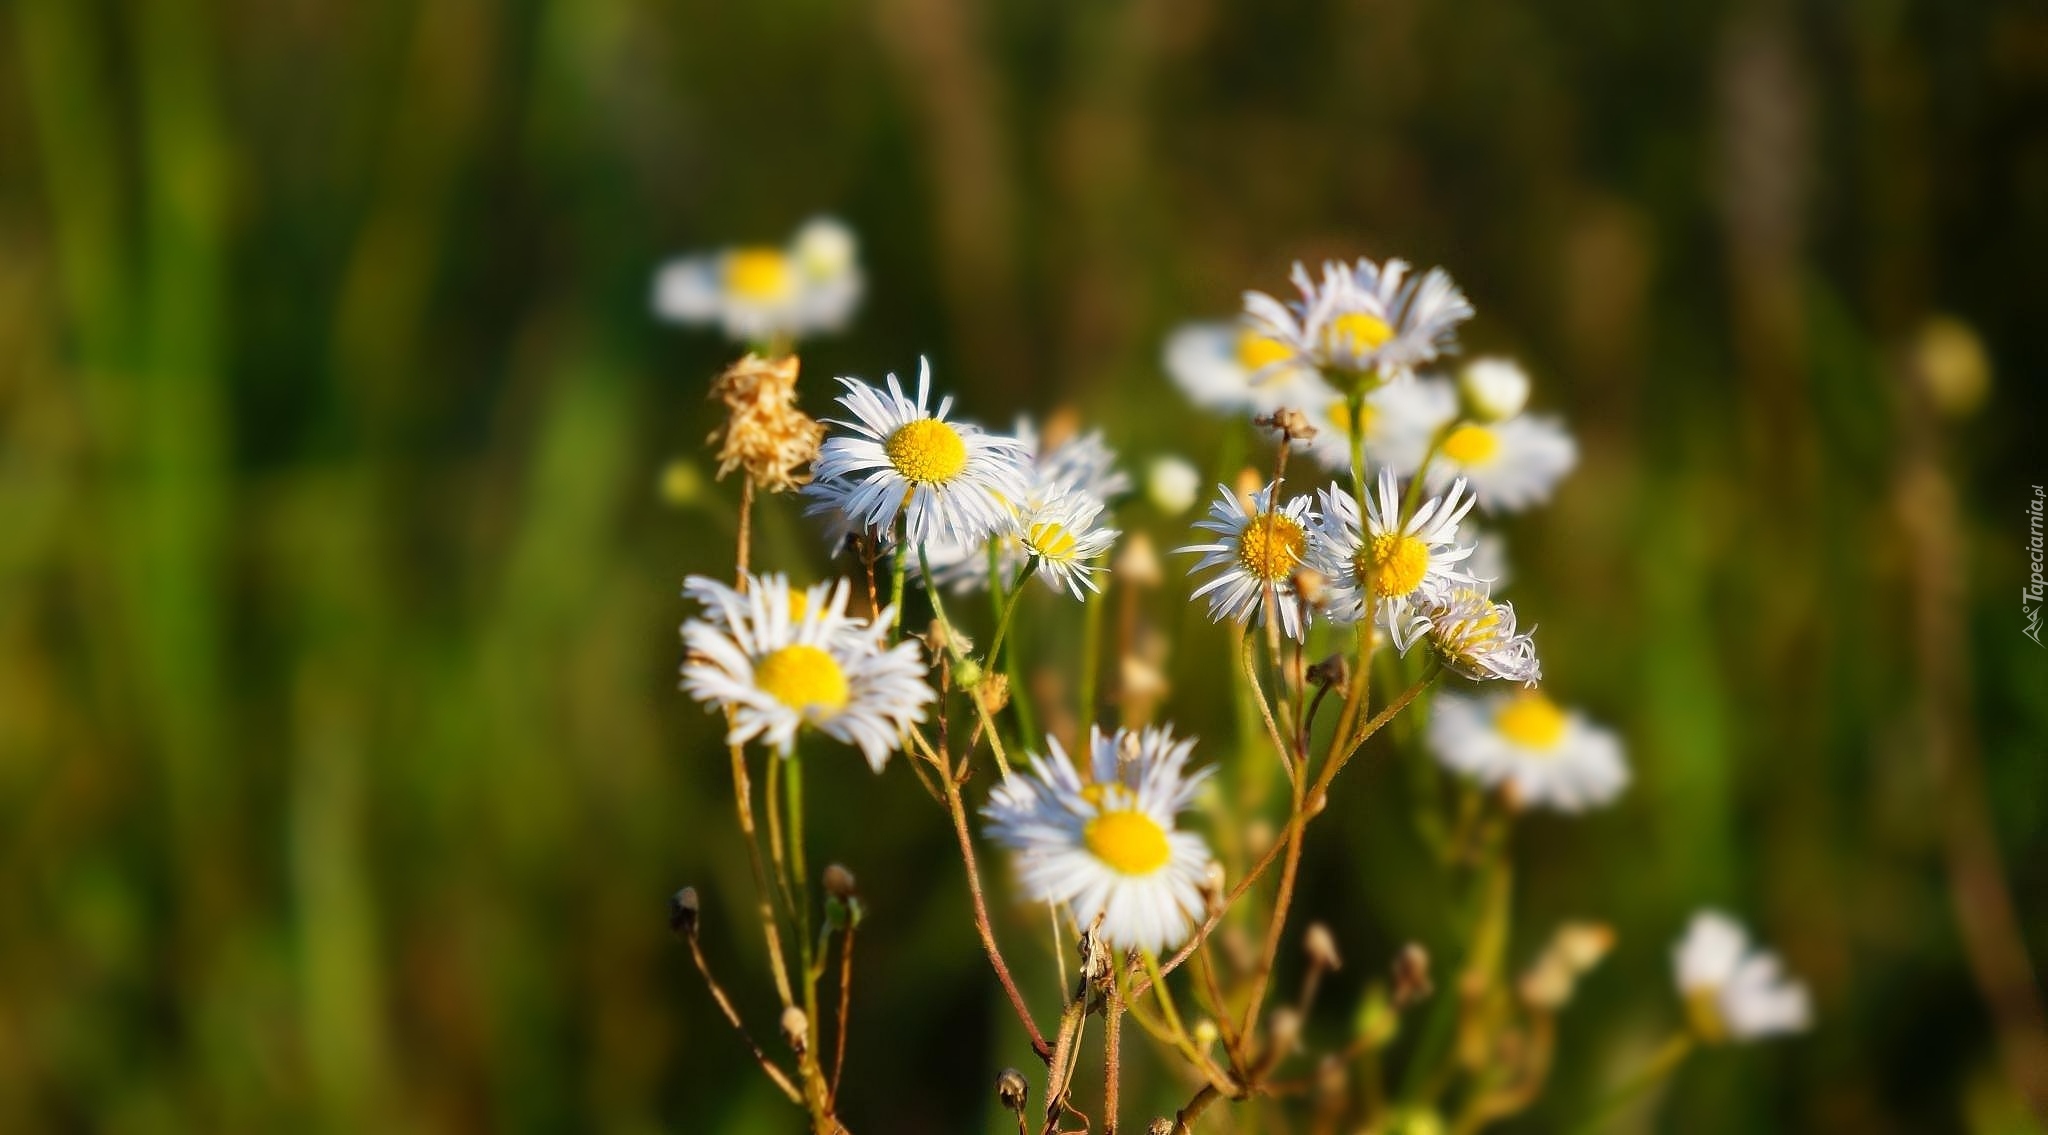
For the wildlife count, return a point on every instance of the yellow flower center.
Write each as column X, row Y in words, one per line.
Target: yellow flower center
column 1131, row 843
column 1256, row 351
column 1465, row 638
column 1530, row 720
column 1050, row 541
column 1471, row 445
column 1340, row 417
column 799, row 605
column 757, row 273
column 804, row 678
column 1270, row 546
column 1357, row 333
column 927, row 451
column 1394, row 564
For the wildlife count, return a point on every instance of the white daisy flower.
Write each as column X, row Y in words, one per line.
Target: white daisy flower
column 1386, row 561
column 1510, row 465
column 1107, row 846
column 1494, row 389
column 1259, row 549
column 1401, row 418
column 760, row 293
column 950, row 481
column 1472, row 635
column 1551, row 757
column 778, row 664
column 1363, row 320
column 1082, row 466
column 1734, row 993
column 1229, row 368
column 1060, row 530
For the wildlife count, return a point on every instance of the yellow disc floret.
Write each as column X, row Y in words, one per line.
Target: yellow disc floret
column 1471, row 445
column 1050, row 541
column 804, row 678
column 1393, row 564
column 1270, row 546
column 758, row 273
column 1530, row 720
column 1131, row 843
column 1256, row 351
column 1357, row 333
column 927, row 451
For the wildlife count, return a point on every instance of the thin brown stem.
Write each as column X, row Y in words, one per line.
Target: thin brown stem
column 1112, row 1072
column 732, row 1015
column 743, row 802
column 845, row 1008
column 746, row 537
column 1184, row 1119
column 958, row 809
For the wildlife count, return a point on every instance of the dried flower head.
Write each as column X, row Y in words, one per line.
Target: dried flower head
column 1013, row 1091
column 764, row 433
column 1321, row 947
column 682, row 913
column 1411, row 975
column 796, row 1029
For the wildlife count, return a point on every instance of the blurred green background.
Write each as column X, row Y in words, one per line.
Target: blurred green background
column 342, row 774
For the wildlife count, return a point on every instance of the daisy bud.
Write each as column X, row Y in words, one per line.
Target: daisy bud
column 1283, row 1030
column 682, row 913
column 1321, row 947
column 796, row 1029
column 839, row 882
column 1411, row 975
column 1205, row 1033
column 1172, row 484
column 1494, row 389
column 764, row 433
column 1213, row 893
column 1138, row 563
column 1013, row 1091
column 967, row 674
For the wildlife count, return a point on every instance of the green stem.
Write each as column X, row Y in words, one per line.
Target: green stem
column 1091, row 661
column 988, row 724
column 1016, row 592
column 1665, row 1061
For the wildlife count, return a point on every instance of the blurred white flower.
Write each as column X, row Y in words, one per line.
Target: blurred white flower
column 1550, row 757
column 1227, row 368
column 1364, row 320
column 761, row 293
column 1734, row 993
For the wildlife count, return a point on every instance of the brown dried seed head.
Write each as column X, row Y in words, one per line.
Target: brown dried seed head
column 1283, row 1028
column 682, row 913
column 1411, row 975
column 995, row 692
column 796, row 1029
column 839, row 883
column 1287, row 421
column 764, row 433
column 1213, row 892
column 1332, row 671
column 1159, row 1126
column 1321, row 946
column 1312, row 585
column 1013, row 1091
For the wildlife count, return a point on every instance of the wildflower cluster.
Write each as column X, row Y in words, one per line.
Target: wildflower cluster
column 1360, row 595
